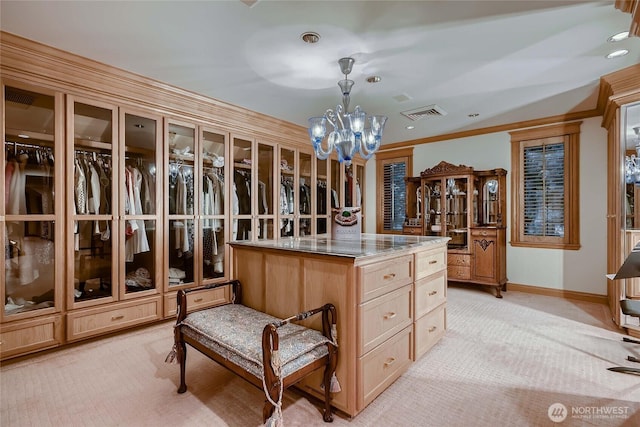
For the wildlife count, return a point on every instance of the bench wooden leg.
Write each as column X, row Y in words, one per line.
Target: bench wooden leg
column 329, row 370
column 181, row 354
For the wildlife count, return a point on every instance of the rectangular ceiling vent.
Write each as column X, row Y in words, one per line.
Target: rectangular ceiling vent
column 429, row 110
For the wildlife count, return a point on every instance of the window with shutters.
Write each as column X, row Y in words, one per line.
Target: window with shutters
column 544, row 187
column 391, row 169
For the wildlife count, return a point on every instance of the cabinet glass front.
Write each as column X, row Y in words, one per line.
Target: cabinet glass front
column 181, row 192
column 322, row 195
column 93, row 203
column 140, row 195
column 287, row 195
column 305, row 195
column 241, row 189
column 456, row 211
column 28, row 182
column 212, row 205
column 265, row 192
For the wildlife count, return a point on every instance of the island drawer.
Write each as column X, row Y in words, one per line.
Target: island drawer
column 430, row 293
column 383, row 317
column 386, row 276
column 429, row 262
column 382, row 366
column 429, row 329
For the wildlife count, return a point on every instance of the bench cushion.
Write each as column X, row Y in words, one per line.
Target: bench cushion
column 234, row 331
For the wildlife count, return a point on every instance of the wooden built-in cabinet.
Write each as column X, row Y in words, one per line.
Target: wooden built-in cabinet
column 619, row 99
column 121, row 190
column 32, row 219
column 468, row 206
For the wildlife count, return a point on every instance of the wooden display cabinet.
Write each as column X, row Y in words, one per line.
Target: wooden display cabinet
column 468, row 206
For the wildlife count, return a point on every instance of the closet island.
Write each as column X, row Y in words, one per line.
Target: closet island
column 389, row 292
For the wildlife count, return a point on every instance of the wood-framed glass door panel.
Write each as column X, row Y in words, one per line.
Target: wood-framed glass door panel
column 322, row 197
column 33, row 185
column 213, row 205
column 181, row 188
column 92, row 153
column 266, row 189
column 140, row 203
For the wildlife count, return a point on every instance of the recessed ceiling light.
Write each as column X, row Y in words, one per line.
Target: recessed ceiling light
column 617, row 53
column 410, row 127
column 373, row 79
column 473, row 115
column 310, row 37
column 617, row 37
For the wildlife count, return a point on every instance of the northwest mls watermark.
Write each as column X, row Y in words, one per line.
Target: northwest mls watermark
column 558, row 412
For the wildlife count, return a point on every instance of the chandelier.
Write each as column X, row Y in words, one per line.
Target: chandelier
column 632, row 163
column 352, row 133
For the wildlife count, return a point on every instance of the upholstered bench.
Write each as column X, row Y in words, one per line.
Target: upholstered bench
column 270, row 353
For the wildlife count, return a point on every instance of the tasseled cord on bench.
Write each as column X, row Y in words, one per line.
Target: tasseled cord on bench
column 275, row 420
column 334, row 386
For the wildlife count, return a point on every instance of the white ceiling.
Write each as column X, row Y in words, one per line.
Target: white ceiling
column 508, row 61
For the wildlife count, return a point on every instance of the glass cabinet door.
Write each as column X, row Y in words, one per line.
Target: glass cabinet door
column 180, row 201
column 265, row 190
column 93, row 183
column 212, row 204
column 288, row 197
column 336, row 185
column 242, row 152
column 457, row 226
column 32, row 144
column 323, row 196
column 434, row 223
column 349, row 185
column 306, row 194
column 139, row 203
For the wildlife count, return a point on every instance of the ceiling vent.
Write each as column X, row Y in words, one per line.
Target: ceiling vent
column 429, row 110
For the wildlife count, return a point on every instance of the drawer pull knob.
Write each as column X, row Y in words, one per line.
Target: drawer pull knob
column 117, row 317
column 390, row 315
column 389, row 276
column 390, row 361
column 432, row 293
column 197, row 300
column 434, row 261
column 433, row 328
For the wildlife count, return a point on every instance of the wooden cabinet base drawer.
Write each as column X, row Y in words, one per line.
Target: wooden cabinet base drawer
column 382, row 277
column 429, row 329
column 197, row 300
column 457, row 272
column 24, row 337
column 430, row 293
column 430, row 262
column 383, row 365
column 383, row 317
column 100, row 320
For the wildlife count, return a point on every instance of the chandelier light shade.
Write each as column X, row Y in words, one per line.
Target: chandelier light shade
column 352, row 133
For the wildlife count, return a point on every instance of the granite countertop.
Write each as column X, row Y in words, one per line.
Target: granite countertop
column 367, row 245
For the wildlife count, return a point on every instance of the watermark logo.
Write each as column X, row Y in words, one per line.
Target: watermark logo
column 557, row 412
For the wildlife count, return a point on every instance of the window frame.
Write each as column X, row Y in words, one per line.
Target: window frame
column 403, row 155
column 569, row 135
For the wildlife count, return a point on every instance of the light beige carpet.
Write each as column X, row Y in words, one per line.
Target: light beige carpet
column 502, row 362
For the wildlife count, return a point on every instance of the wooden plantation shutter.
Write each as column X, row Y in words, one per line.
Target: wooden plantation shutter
column 544, row 190
column 545, row 187
column 395, row 200
column 391, row 169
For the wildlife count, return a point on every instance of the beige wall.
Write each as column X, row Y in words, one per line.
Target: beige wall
column 582, row 270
